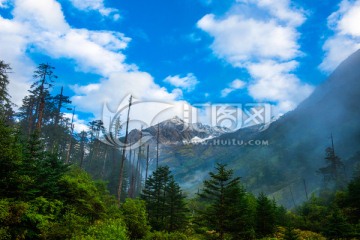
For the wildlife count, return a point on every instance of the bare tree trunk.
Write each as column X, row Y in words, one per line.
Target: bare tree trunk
column 157, row 146
column 104, row 164
column 70, row 137
column 147, row 162
column 42, row 102
column 121, row 173
column 55, row 140
column 30, row 116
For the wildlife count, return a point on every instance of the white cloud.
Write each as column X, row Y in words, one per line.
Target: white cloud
column 96, row 5
column 79, row 124
column 239, row 40
column 274, row 82
column 346, row 39
column 266, row 41
column 187, row 83
column 233, row 86
column 13, row 44
column 40, row 27
column 4, row 3
column 118, row 85
column 281, row 9
column 93, row 51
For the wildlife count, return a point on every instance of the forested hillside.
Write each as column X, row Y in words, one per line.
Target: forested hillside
column 56, row 183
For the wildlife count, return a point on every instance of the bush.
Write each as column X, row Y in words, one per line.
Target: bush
column 113, row 229
column 166, row 236
column 135, row 216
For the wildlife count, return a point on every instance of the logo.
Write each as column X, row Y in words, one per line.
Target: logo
column 115, row 122
column 222, row 118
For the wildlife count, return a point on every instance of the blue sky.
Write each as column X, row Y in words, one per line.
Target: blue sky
column 188, row 51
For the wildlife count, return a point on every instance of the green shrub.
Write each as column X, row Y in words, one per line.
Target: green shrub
column 113, row 229
column 166, row 236
column 135, row 216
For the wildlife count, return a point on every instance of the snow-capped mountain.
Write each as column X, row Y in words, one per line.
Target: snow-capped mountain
column 176, row 131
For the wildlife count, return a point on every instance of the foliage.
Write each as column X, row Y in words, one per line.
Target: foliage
column 227, row 210
column 166, row 236
column 42, row 197
column 265, row 217
column 112, row 229
column 135, row 216
column 6, row 112
column 164, row 201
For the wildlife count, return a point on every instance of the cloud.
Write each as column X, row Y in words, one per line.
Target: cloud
column 346, row 38
column 261, row 35
column 13, row 42
column 96, row 5
column 239, row 40
column 40, row 27
column 187, row 83
column 275, row 82
column 118, row 85
column 280, row 9
column 79, row 124
column 93, row 51
column 4, row 3
column 233, row 86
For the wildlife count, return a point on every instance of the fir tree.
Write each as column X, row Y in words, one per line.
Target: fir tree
column 265, row 217
column 290, row 233
column 227, row 210
column 176, row 206
column 164, row 201
column 337, row 226
column 6, row 112
column 334, row 172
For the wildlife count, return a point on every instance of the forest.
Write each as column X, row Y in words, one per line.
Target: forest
column 56, row 183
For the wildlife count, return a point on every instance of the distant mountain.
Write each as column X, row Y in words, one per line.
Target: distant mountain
column 291, row 149
column 176, row 132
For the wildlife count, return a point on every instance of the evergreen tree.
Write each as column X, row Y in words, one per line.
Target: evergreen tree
column 227, row 210
column 43, row 76
column 176, row 206
column 42, row 169
column 265, row 217
column 352, row 199
column 134, row 212
column 39, row 107
column 334, row 172
column 164, row 201
column 290, row 233
column 10, row 162
column 337, row 226
column 6, row 112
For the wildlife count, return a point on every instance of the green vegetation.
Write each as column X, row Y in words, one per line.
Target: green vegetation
column 50, row 187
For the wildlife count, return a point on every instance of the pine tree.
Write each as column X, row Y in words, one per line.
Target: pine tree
column 164, row 201
column 290, row 233
column 10, row 162
column 176, row 206
column 265, row 217
column 43, row 76
column 6, row 112
column 334, row 172
column 227, row 210
column 42, row 170
column 337, row 226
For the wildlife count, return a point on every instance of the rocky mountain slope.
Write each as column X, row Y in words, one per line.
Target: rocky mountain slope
column 290, row 150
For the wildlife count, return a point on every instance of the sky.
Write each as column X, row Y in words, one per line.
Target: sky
column 178, row 52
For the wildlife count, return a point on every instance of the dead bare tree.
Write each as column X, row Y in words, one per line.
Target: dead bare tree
column 122, row 164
